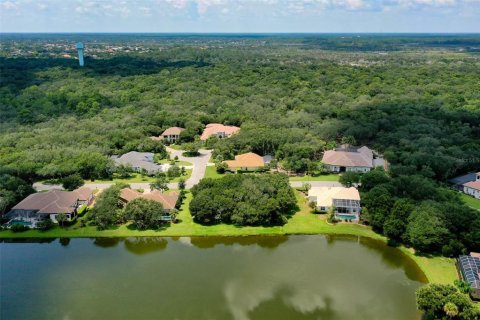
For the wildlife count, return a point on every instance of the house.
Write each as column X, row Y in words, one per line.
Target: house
column 350, row 159
column 219, row 130
column 246, row 162
column 168, row 200
column 469, row 267
column 139, row 161
column 43, row 205
column 345, row 201
column 473, row 187
column 170, row 135
column 459, row 181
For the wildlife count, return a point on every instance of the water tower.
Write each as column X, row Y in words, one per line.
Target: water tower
column 80, row 47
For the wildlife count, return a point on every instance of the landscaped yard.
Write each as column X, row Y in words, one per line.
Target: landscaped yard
column 437, row 269
column 211, row 172
column 178, row 162
column 138, row 178
column 321, row 177
column 471, row 201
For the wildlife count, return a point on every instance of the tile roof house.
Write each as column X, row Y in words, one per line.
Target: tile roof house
column 218, row 129
column 469, row 267
column 349, row 159
column 346, row 201
column 139, row 161
column 473, row 187
column 170, row 135
column 49, row 204
column 168, row 200
column 459, row 181
column 246, row 162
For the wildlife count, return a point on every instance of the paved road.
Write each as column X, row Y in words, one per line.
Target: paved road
column 199, row 164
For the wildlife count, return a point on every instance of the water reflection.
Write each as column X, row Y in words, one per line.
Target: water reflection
column 106, row 242
column 267, row 242
column 143, row 245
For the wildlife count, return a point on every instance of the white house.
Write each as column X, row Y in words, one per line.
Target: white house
column 346, row 201
column 473, row 187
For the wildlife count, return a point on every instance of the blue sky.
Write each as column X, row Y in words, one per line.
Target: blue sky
column 240, row 16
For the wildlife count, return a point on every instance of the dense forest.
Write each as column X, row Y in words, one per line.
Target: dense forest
column 416, row 99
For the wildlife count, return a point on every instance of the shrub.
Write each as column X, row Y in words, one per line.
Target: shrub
column 19, row 227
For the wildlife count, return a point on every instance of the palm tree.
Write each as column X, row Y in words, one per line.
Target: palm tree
column 450, row 309
column 61, row 218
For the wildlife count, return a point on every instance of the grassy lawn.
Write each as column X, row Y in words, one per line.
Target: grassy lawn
column 176, row 146
column 321, row 177
column 437, row 269
column 211, row 172
column 137, row 178
column 178, row 162
column 471, row 201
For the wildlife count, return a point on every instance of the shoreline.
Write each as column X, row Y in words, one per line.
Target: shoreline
column 303, row 222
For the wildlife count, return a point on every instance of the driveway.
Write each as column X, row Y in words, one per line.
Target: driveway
column 199, row 164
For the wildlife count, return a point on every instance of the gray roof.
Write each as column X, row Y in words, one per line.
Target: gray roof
column 138, row 160
column 463, row 179
column 470, row 268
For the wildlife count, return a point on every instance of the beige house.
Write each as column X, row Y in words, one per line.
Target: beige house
column 47, row 205
column 168, row 200
column 172, row 134
column 246, row 162
column 349, row 159
column 345, row 201
column 219, row 130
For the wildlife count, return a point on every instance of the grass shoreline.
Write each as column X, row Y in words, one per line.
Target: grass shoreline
column 436, row 269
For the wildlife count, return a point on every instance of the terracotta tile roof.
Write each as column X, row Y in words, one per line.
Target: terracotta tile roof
column 325, row 195
column 168, row 200
column 473, row 184
column 128, row 194
column 362, row 157
column 172, row 131
column 54, row 201
column 215, row 128
column 246, row 160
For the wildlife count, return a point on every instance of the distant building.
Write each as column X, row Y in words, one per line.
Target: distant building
column 469, row 267
column 350, row 159
column 44, row 205
column 168, row 200
column 473, row 187
column 345, row 201
column 468, row 184
column 139, row 161
column 247, row 162
column 219, row 130
column 170, row 135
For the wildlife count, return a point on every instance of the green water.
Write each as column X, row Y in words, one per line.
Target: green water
column 296, row 277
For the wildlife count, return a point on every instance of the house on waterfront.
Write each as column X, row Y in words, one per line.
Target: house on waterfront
column 468, row 183
column 469, row 267
column 47, row 205
column 168, row 200
column 347, row 158
column 140, row 161
column 345, row 201
column 170, row 135
column 219, row 130
column 247, row 162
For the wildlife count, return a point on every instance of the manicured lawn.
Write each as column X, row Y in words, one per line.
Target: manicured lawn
column 471, row 201
column 137, row 178
column 178, row 162
column 437, row 269
column 321, row 177
column 176, row 146
column 211, row 172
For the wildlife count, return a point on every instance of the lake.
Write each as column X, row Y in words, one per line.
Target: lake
column 269, row 277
